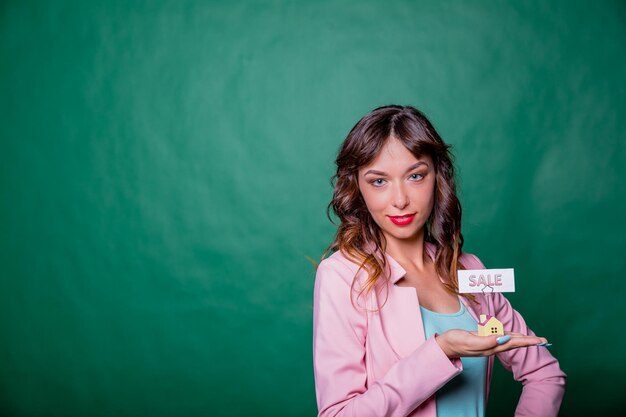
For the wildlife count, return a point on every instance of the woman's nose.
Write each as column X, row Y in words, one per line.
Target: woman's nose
column 400, row 198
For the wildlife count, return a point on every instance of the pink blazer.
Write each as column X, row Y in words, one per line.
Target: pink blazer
column 378, row 363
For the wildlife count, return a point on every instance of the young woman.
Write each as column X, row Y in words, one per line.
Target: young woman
column 391, row 334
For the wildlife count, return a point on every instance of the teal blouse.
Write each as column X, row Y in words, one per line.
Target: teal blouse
column 464, row 395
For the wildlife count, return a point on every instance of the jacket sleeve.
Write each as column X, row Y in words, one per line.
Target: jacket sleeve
column 339, row 357
column 539, row 372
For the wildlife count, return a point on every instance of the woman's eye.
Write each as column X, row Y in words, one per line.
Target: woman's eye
column 416, row 177
column 378, row 182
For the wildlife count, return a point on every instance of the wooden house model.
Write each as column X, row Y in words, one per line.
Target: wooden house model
column 489, row 325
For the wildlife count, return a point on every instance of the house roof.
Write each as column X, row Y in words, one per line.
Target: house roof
column 483, row 322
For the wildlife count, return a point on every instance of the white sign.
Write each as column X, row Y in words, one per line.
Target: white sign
column 486, row 280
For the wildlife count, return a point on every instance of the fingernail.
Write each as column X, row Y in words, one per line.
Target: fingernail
column 546, row 344
column 503, row 339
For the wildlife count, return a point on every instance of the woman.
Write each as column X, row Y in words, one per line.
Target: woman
column 391, row 334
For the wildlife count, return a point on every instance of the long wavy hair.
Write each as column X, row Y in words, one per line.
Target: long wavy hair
column 358, row 237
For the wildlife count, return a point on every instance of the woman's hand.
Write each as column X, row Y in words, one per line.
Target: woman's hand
column 458, row 343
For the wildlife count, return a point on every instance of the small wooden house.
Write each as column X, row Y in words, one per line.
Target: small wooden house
column 489, row 325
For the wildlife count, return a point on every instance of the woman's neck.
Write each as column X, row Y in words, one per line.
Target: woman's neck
column 408, row 251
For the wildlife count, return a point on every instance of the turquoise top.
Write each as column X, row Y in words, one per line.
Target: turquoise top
column 463, row 395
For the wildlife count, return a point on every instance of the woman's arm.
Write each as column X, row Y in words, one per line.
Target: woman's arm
column 539, row 372
column 339, row 332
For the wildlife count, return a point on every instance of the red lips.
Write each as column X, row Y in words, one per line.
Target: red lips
column 403, row 220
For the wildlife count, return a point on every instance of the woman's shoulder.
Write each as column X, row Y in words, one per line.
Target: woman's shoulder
column 338, row 263
column 338, row 270
column 335, row 281
column 471, row 261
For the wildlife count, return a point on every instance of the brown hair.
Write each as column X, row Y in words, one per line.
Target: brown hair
column 358, row 237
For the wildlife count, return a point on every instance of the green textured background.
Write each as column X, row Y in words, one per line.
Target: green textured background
column 164, row 173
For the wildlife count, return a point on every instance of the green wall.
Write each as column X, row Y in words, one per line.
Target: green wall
column 165, row 168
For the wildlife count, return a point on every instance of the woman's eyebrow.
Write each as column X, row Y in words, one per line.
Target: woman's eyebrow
column 382, row 173
column 374, row 172
column 417, row 164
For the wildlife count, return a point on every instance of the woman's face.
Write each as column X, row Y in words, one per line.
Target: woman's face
column 398, row 190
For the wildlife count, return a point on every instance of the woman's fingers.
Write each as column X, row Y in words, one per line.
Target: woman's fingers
column 516, row 341
column 513, row 334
